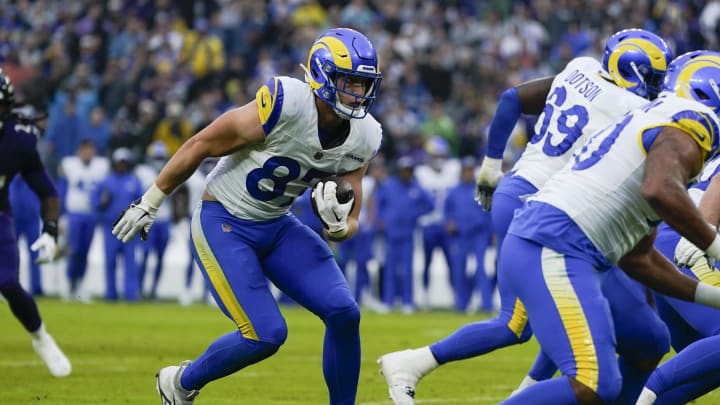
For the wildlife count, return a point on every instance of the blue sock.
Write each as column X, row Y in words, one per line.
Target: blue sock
column 696, row 361
column 226, row 355
column 473, row 340
column 341, row 355
column 543, row 368
column 687, row 392
column 633, row 381
column 556, row 391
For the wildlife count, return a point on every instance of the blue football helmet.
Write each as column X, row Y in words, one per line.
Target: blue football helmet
column 696, row 75
column 338, row 58
column 637, row 60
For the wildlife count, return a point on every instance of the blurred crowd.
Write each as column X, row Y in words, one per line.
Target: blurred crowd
column 130, row 74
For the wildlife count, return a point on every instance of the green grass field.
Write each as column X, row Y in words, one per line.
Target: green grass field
column 116, row 350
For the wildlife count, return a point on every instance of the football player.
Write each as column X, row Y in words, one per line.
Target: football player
column 19, row 154
column 289, row 138
column 585, row 97
column 694, row 328
column 602, row 209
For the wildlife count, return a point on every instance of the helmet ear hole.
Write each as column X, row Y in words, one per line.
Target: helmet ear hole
column 699, row 94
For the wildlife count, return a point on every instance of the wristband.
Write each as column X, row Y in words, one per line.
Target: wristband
column 714, row 249
column 707, row 294
column 50, row 227
column 154, row 196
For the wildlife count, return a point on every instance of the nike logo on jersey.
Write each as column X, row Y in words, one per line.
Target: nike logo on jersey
column 263, row 103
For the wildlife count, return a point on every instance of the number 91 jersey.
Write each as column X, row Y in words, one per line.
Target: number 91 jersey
column 260, row 182
column 580, row 102
column 600, row 188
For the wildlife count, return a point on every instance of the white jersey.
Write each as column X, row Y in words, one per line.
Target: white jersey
column 147, row 175
column 579, row 104
column 600, row 188
column 262, row 181
column 81, row 180
column 437, row 183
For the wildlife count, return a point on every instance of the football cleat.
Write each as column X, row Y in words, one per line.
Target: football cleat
column 169, row 388
column 403, row 370
column 54, row 358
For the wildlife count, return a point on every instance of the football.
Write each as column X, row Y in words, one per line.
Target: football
column 344, row 191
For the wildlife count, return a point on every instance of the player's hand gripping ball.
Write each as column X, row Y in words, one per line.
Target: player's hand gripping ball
column 332, row 200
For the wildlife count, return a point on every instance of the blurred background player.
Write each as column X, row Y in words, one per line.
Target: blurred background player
column 184, row 199
column 26, row 215
column 111, row 195
column 470, row 232
column 19, row 155
column 360, row 249
column 437, row 174
column 288, row 139
column 400, row 202
column 78, row 176
column 585, row 97
column 157, row 242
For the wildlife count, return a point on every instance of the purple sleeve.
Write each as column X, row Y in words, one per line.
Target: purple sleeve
column 38, row 178
column 506, row 116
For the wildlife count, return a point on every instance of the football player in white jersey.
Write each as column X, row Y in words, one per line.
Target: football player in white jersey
column 438, row 174
column 79, row 174
column 602, row 209
column 584, row 97
column 291, row 137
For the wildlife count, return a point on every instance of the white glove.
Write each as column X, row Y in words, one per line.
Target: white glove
column 47, row 249
column 687, row 254
column 487, row 180
column 332, row 213
column 139, row 216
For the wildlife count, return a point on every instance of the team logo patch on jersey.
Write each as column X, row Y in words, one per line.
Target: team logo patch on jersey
column 269, row 100
column 226, row 228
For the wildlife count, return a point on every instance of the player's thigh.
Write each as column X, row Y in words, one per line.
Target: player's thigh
column 639, row 330
column 303, row 267
column 9, row 256
column 567, row 311
column 235, row 277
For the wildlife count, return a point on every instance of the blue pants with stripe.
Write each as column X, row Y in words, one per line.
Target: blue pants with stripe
column 695, row 332
column 568, row 313
column 641, row 334
column 238, row 257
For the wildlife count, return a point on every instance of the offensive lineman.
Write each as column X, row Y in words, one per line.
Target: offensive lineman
column 585, row 97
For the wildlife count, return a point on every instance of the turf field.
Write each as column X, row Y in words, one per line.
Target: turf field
column 116, row 350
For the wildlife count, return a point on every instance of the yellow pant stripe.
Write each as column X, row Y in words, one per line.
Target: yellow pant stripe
column 519, row 318
column 572, row 317
column 218, row 280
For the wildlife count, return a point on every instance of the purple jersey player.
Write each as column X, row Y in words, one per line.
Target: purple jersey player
column 19, row 155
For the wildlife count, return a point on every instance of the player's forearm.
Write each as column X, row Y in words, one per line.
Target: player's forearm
column 181, row 166
column 50, row 209
column 673, row 205
column 658, row 273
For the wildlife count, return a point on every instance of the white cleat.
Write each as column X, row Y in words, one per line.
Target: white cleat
column 168, row 386
column 54, row 358
column 403, row 370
